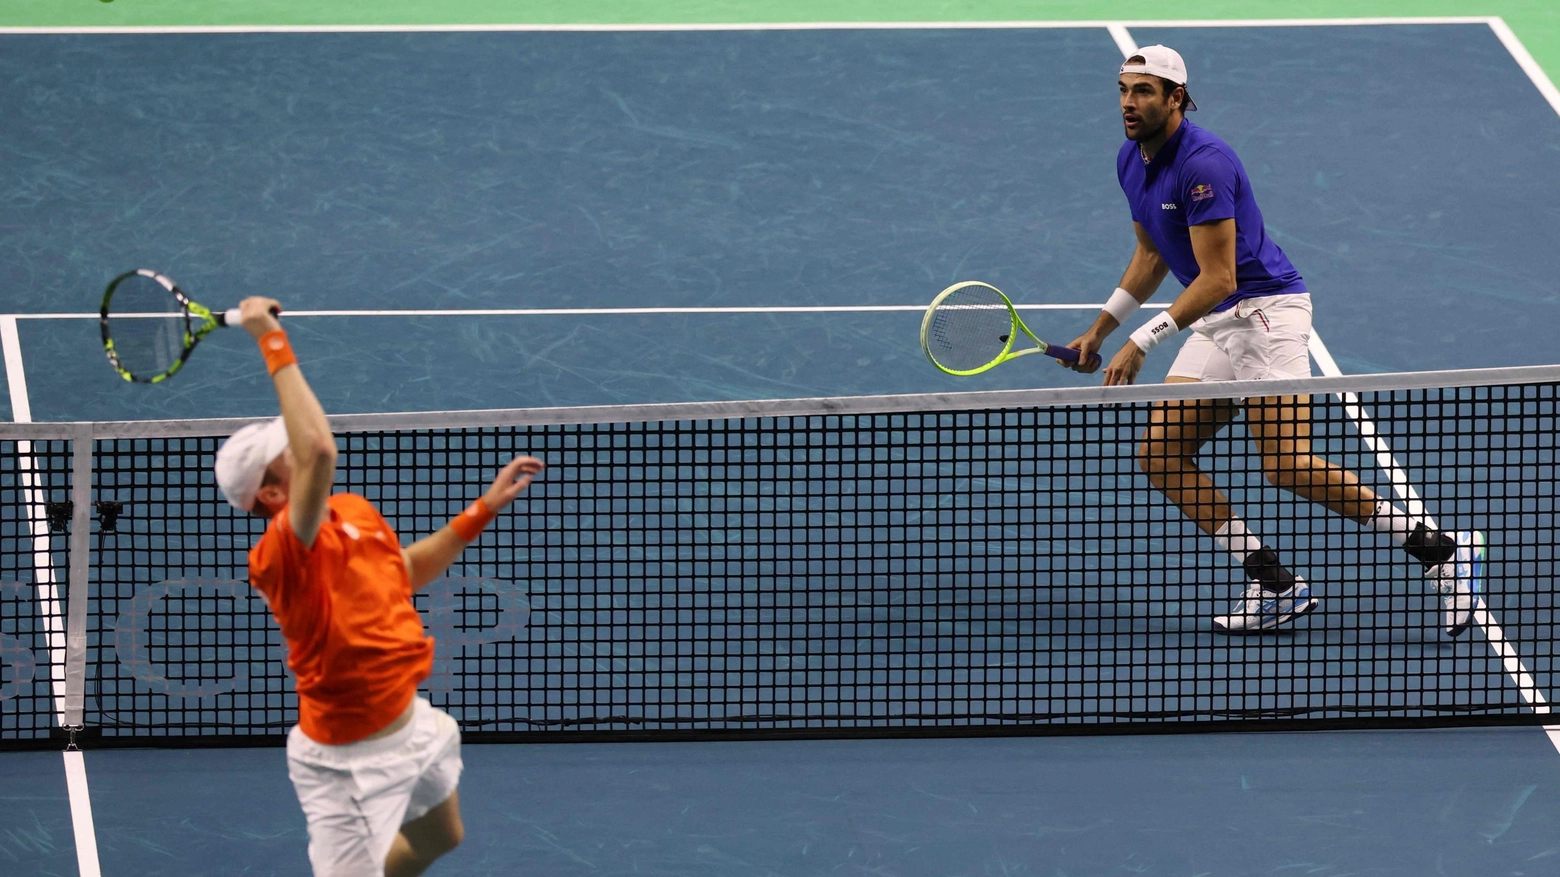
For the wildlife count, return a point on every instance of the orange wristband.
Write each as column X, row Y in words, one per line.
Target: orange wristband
column 277, row 351
column 469, row 524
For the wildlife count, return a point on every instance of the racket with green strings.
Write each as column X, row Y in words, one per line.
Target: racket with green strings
column 150, row 326
column 971, row 327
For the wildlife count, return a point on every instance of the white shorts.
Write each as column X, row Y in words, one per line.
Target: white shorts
column 357, row 796
column 1260, row 339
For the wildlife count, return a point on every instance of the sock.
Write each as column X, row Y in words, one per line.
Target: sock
column 1237, row 540
column 1429, row 547
column 1260, row 563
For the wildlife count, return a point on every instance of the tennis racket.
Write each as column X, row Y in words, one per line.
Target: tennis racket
column 150, row 326
column 970, row 328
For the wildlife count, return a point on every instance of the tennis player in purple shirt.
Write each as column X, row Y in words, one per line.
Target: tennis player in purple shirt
column 1250, row 318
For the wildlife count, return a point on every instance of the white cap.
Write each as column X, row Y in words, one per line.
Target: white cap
column 243, row 458
column 1164, row 62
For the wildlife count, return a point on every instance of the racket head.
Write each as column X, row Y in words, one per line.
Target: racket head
column 150, row 326
column 969, row 328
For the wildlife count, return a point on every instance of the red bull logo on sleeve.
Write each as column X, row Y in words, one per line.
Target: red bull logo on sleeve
column 1202, row 192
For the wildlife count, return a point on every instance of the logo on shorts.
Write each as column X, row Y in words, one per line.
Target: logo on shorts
column 1202, row 192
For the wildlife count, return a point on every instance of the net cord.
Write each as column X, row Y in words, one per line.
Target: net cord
column 821, row 406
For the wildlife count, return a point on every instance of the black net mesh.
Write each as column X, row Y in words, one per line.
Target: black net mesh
column 846, row 573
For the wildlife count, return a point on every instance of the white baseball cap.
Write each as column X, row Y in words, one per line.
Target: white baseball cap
column 243, row 458
column 1164, row 62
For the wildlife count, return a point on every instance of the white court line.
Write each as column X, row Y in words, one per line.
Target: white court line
column 48, row 597
column 81, row 814
column 35, row 497
column 1546, row 87
column 594, row 312
column 1123, row 38
column 1524, row 59
column 1515, row 668
column 764, row 26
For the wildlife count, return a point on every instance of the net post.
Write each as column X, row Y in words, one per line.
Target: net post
column 83, row 444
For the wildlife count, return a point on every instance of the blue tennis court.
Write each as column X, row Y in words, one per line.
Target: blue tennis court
column 461, row 221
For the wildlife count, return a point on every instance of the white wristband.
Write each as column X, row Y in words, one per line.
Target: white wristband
column 1122, row 305
column 1159, row 329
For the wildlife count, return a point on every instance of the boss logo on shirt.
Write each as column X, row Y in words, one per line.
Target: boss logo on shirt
column 1169, row 207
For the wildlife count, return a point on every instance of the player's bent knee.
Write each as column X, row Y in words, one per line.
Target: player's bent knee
column 1280, row 477
column 1155, row 457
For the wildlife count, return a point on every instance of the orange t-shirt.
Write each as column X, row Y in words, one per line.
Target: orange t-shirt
column 354, row 640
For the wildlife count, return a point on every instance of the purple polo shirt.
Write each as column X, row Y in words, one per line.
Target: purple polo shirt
column 1197, row 178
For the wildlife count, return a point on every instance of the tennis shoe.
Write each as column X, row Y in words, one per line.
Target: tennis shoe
column 1461, row 581
column 1260, row 609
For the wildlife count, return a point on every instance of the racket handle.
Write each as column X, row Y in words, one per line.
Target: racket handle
column 235, row 317
column 1067, row 354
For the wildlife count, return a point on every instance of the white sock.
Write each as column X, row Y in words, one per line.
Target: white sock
column 1234, row 538
column 1393, row 521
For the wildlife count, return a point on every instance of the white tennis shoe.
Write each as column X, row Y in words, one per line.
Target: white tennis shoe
column 1260, row 609
column 1460, row 581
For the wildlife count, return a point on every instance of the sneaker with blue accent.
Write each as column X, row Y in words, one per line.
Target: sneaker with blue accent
column 1260, row 609
column 1461, row 581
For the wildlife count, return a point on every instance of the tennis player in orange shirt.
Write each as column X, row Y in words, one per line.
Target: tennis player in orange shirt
column 375, row 766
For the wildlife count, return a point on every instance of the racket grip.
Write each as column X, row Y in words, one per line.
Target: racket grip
column 1067, row 354
column 235, row 317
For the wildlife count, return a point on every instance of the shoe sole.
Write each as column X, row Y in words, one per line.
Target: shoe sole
column 1277, row 621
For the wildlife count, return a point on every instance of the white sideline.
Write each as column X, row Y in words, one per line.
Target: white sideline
column 1493, row 634
column 48, row 597
column 1546, row 87
column 1524, row 59
column 81, row 814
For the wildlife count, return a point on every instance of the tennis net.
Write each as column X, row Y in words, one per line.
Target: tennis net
column 944, row 564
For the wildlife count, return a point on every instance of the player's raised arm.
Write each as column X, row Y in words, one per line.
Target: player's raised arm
column 1144, row 274
column 429, row 557
column 311, row 447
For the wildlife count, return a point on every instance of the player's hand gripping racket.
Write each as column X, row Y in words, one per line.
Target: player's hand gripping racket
column 970, row 327
column 150, row 326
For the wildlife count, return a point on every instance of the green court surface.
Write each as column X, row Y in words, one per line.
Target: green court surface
column 1536, row 22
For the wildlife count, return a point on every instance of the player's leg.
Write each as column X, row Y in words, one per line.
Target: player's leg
column 425, row 839
column 1269, row 339
column 1167, row 454
column 1453, row 562
column 432, row 825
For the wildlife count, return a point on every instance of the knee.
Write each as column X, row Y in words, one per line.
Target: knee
column 1155, row 458
column 1278, row 475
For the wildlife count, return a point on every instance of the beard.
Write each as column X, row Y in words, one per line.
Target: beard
column 1146, row 130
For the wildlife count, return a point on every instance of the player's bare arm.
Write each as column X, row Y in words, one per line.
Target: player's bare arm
column 310, row 445
column 1214, row 245
column 430, row 556
column 1145, row 272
